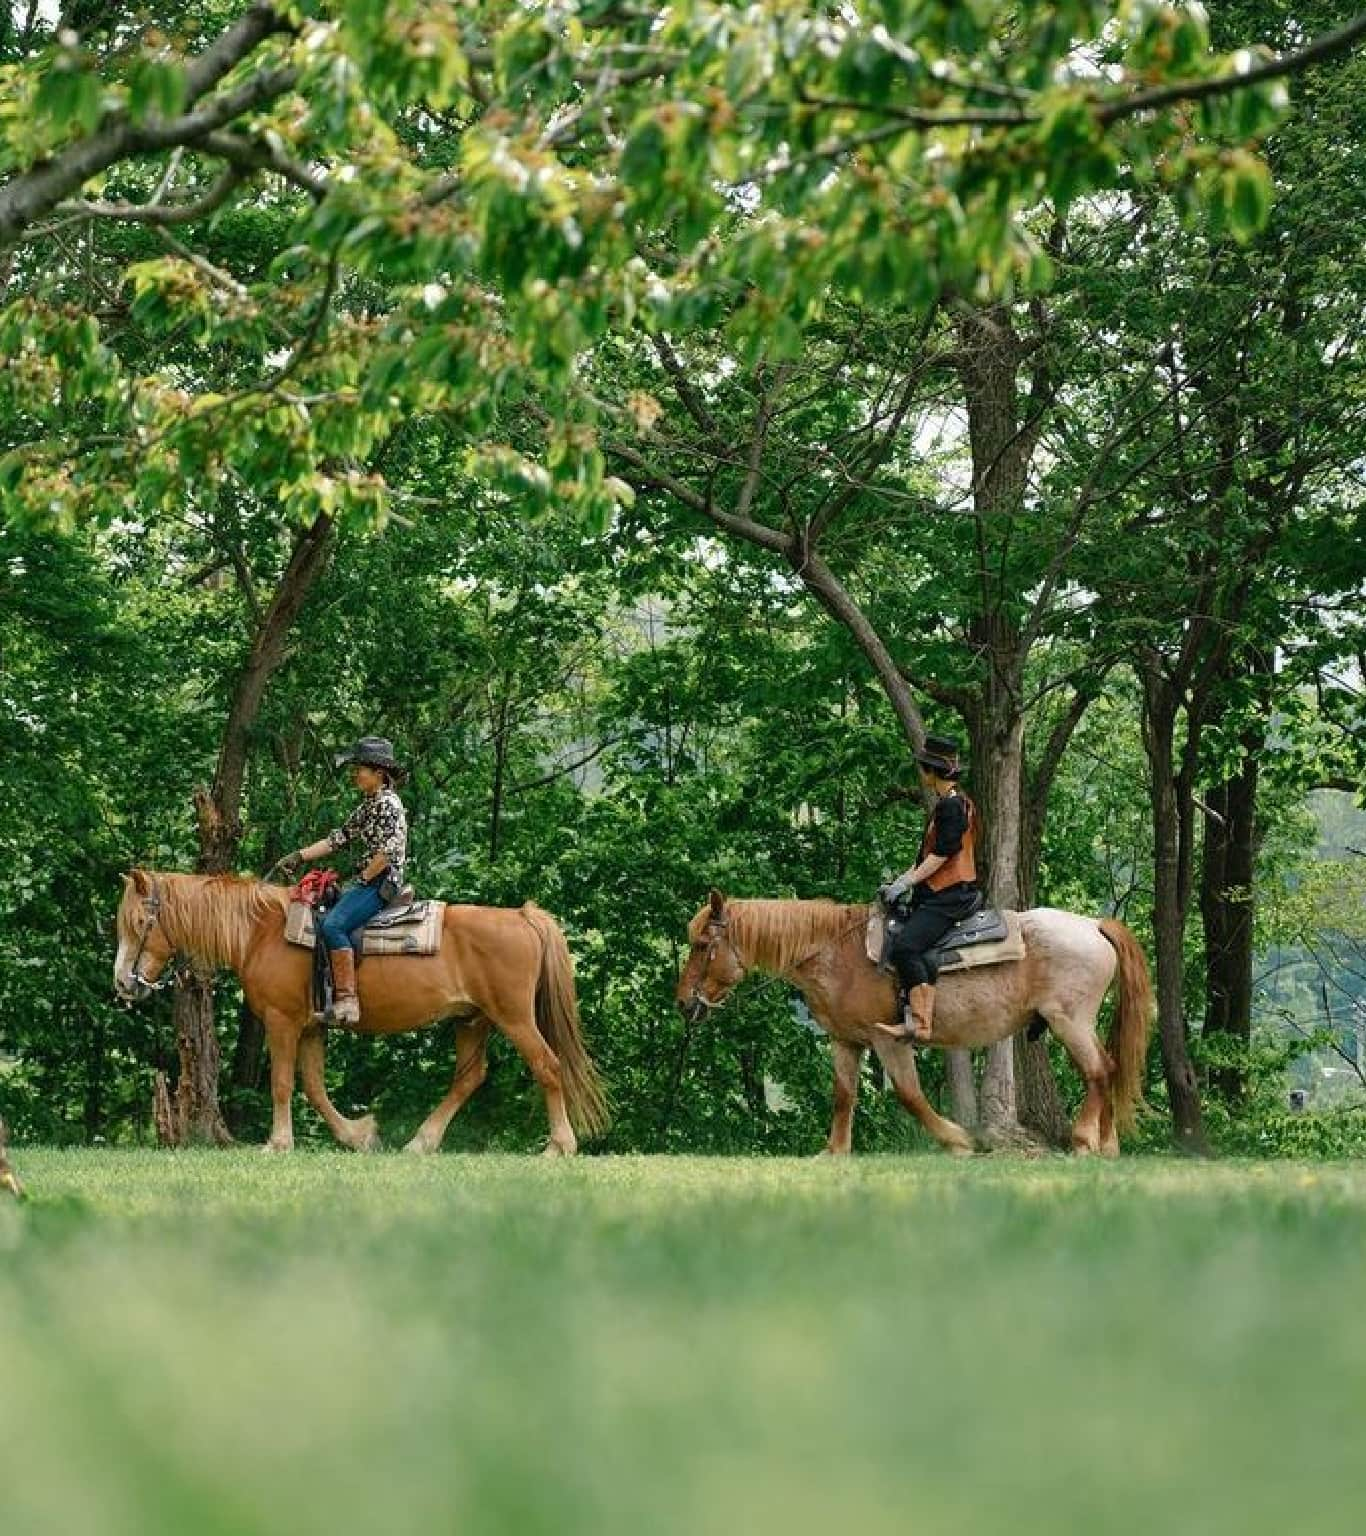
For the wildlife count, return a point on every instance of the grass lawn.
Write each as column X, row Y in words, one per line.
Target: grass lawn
column 223, row 1342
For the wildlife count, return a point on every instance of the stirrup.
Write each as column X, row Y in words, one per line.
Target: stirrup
column 903, row 1031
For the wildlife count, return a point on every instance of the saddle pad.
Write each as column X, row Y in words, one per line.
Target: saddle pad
column 977, row 950
column 875, row 938
column 414, row 930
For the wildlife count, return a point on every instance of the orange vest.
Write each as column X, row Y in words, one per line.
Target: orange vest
column 958, row 866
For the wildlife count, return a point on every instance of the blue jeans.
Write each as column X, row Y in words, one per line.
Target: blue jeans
column 358, row 905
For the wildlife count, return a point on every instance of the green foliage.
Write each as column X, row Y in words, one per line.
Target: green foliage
column 587, row 171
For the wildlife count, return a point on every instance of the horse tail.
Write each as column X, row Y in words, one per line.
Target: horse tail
column 1133, row 1020
column 557, row 1018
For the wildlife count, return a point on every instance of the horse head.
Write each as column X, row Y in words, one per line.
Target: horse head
column 714, row 965
column 144, row 948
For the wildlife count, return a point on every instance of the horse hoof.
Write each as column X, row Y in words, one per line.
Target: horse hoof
column 554, row 1149
column 367, row 1135
column 278, row 1146
column 419, row 1146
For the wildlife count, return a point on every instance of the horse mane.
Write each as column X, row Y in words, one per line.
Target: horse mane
column 213, row 916
column 776, row 935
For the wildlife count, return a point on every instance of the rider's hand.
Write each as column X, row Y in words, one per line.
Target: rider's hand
column 290, row 865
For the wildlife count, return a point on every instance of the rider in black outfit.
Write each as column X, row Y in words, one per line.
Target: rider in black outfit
column 943, row 886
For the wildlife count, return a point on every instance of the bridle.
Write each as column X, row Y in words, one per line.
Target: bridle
column 717, row 928
column 151, row 906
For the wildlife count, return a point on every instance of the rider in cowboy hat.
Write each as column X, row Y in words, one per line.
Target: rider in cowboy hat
column 378, row 827
column 942, row 885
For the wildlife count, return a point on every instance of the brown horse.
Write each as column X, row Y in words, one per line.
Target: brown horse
column 818, row 946
column 497, row 966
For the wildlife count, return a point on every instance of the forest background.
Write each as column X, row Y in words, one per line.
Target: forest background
column 653, row 421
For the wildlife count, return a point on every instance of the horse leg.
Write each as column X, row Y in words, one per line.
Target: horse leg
column 545, row 1068
column 471, row 1067
column 1109, row 1136
column 360, row 1135
column 282, row 1037
column 1083, row 1045
column 900, row 1064
column 848, row 1063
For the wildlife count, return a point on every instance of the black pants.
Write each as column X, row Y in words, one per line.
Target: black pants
column 930, row 919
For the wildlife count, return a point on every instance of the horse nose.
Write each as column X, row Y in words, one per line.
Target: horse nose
column 130, row 988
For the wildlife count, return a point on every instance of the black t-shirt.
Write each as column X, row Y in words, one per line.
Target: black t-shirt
column 950, row 823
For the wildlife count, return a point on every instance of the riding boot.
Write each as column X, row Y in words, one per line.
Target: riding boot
column 917, row 1015
column 345, row 1003
column 920, row 1012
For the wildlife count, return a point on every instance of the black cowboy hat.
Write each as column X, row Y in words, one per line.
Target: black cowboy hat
column 373, row 752
column 940, row 754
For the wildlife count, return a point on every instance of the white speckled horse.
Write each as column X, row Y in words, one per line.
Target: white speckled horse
column 818, row 946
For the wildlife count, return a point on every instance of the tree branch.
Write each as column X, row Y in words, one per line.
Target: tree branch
column 226, row 52
column 250, row 154
column 153, row 212
column 29, row 196
column 1338, row 41
column 899, row 119
column 693, row 403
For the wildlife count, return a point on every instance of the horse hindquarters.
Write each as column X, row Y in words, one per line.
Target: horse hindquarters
column 1074, row 962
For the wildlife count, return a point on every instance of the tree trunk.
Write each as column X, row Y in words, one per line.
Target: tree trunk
column 1019, row 1091
column 963, row 1089
column 195, row 1114
column 196, row 1117
column 1227, row 907
column 1170, row 899
column 1016, row 1105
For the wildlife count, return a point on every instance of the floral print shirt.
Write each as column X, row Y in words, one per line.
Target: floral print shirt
column 377, row 825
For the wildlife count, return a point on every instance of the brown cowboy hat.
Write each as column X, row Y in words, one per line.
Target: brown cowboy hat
column 373, row 752
column 940, row 755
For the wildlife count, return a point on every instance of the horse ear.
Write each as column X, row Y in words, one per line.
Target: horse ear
column 141, row 884
column 718, row 902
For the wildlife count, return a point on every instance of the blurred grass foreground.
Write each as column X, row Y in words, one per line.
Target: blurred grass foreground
column 224, row 1343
